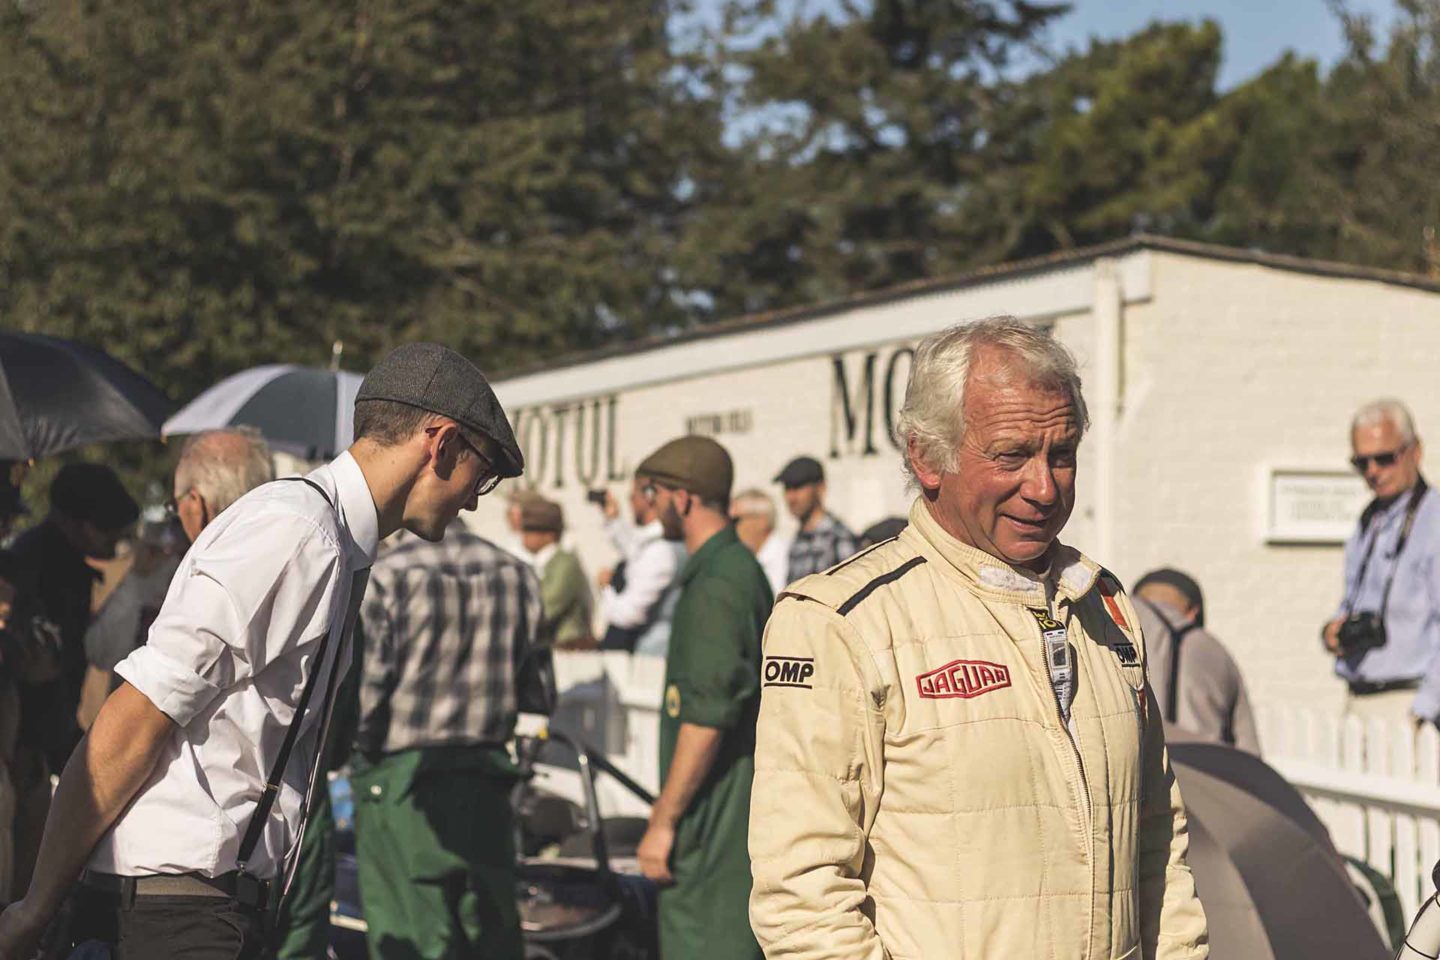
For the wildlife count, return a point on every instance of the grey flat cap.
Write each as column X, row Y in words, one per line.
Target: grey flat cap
column 436, row 378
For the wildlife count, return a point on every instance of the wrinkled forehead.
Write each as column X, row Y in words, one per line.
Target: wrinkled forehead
column 1010, row 405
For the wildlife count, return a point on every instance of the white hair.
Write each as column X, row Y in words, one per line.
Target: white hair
column 754, row 503
column 934, row 408
column 224, row 465
column 1386, row 411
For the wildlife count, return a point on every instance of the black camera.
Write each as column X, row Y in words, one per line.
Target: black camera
column 596, row 497
column 1361, row 632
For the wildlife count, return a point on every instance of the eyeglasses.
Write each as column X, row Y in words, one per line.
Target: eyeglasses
column 489, row 475
column 649, row 492
column 1387, row 459
column 172, row 505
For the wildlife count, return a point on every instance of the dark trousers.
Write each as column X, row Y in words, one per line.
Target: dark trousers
column 165, row 928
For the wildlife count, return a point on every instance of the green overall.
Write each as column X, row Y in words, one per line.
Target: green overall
column 435, row 851
column 712, row 679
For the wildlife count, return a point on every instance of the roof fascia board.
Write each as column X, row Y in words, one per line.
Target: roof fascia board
column 1041, row 295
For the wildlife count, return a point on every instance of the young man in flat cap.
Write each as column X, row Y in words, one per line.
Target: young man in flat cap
column 822, row 540
column 183, row 804
column 564, row 588
column 699, row 824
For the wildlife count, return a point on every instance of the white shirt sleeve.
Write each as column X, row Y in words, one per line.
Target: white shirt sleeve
column 647, row 575
column 259, row 589
column 622, row 534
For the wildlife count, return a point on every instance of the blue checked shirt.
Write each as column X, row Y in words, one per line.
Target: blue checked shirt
column 445, row 628
column 1412, row 619
column 814, row 551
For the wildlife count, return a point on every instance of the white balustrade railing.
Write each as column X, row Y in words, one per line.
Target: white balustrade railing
column 1375, row 784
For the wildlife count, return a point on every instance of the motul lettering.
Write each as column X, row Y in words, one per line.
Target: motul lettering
column 789, row 671
column 963, row 679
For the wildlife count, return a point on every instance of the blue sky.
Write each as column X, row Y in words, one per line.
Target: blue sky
column 1256, row 31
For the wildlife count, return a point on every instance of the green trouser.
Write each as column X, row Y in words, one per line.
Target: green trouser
column 303, row 930
column 435, row 852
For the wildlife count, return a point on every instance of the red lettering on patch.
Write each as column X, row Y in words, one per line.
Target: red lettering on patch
column 963, row 679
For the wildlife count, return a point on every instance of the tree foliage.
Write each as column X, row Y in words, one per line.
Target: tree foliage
column 207, row 186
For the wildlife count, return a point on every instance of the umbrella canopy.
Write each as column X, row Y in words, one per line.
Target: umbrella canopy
column 302, row 410
column 1272, row 885
column 57, row 394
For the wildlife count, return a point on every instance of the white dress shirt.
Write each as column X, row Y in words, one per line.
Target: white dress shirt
column 651, row 565
column 227, row 660
column 774, row 557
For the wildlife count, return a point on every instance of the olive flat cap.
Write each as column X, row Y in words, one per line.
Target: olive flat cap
column 801, row 472
column 436, row 378
column 538, row 515
column 697, row 464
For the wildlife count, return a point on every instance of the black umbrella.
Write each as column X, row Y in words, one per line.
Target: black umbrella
column 57, row 394
column 1272, row 885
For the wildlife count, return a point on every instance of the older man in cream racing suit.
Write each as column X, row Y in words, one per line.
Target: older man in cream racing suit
column 957, row 753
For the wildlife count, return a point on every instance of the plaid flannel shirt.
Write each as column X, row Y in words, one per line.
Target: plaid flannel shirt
column 820, row 549
column 445, row 627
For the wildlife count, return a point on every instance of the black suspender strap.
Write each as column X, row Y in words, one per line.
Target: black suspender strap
column 272, row 784
column 1172, row 693
column 314, row 486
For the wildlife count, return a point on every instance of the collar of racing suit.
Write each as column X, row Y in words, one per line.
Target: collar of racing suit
column 1069, row 576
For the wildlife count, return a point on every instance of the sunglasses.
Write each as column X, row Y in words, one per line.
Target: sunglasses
column 1387, row 459
column 489, row 476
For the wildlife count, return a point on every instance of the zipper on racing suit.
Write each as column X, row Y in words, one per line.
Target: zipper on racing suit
column 1055, row 642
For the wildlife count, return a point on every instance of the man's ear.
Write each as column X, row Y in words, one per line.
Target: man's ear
column 928, row 476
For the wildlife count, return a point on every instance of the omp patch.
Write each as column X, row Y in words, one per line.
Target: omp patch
column 963, row 680
column 672, row 701
column 1126, row 651
column 789, row 672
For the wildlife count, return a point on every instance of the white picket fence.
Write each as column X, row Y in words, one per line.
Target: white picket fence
column 1374, row 784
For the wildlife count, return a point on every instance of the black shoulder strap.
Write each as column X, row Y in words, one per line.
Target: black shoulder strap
column 272, row 784
column 877, row 583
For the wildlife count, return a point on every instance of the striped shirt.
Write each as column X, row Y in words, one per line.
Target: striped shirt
column 814, row 551
column 445, row 627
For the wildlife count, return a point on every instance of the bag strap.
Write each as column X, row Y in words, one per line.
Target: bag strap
column 1172, row 693
column 1411, row 508
column 272, row 784
column 1370, row 518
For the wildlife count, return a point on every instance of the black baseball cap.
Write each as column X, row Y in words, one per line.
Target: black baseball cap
column 92, row 491
column 800, row 472
column 435, row 378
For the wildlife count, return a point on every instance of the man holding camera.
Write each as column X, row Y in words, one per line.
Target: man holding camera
column 1387, row 630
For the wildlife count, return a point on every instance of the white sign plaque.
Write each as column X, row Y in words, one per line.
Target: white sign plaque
column 1314, row 506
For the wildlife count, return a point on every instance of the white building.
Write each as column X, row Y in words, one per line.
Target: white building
column 1220, row 384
